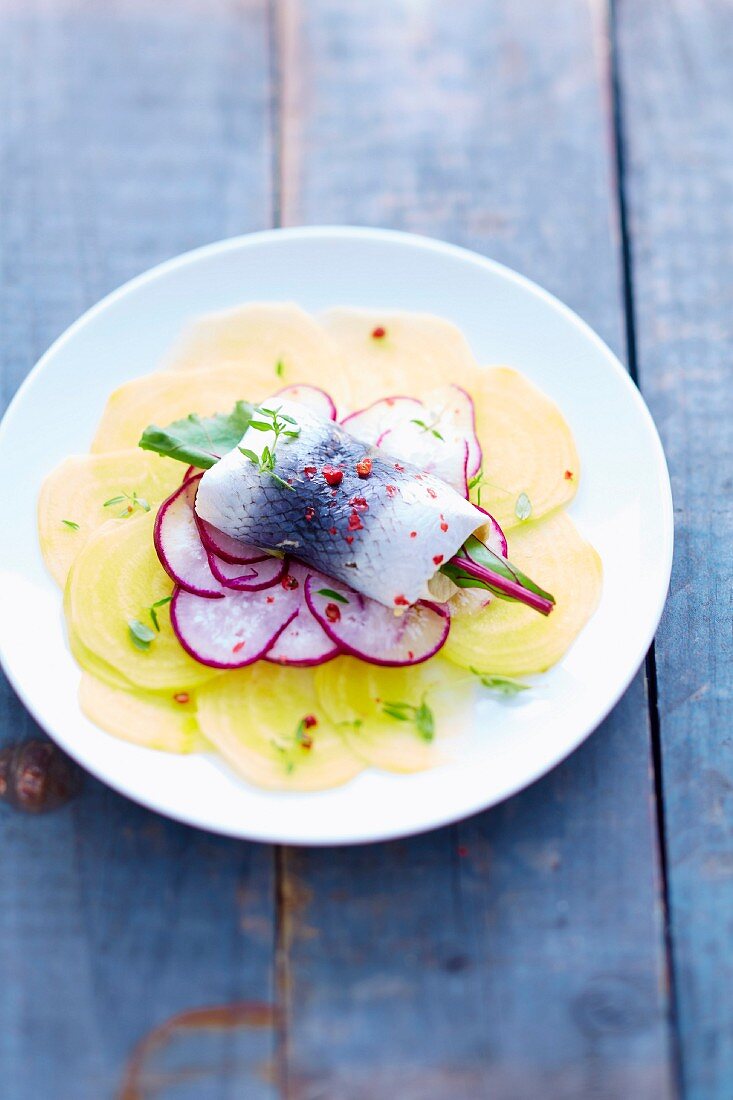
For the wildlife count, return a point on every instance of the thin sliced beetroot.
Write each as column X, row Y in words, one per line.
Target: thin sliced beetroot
column 443, row 458
column 304, row 642
column 178, row 545
column 234, row 631
column 248, row 578
column 225, row 547
column 492, row 535
column 370, row 630
column 376, row 419
column 313, row 397
column 455, row 408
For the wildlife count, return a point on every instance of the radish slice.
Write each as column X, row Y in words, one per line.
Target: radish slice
column 453, row 407
column 304, row 642
column 178, row 546
column 492, row 534
column 313, row 397
column 248, row 578
column 234, row 631
column 227, row 548
column 370, row 630
column 442, row 458
column 370, row 423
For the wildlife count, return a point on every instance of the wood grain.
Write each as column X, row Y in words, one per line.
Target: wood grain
column 128, row 132
column 677, row 85
column 521, row 953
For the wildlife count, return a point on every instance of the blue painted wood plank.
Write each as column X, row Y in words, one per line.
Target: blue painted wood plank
column 519, row 954
column 677, row 85
column 128, row 132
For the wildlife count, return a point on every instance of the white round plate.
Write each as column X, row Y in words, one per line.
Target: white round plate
column 623, row 507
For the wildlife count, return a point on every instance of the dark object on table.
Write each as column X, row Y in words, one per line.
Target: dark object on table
column 36, row 776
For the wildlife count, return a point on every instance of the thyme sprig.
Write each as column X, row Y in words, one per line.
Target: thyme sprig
column 153, row 611
column 133, row 501
column 429, row 427
column 505, row 685
column 522, row 504
column 281, row 425
column 421, row 715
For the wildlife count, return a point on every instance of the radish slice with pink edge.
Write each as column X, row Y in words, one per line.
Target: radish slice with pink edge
column 252, row 577
column 370, row 630
column 376, row 419
column 178, row 546
column 304, row 642
column 443, row 458
column 491, row 534
column 234, row 631
column 227, row 548
column 313, row 397
column 453, row 409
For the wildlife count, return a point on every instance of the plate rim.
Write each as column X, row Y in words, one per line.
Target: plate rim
column 359, row 232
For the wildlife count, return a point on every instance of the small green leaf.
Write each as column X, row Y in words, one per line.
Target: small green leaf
column 260, row 425
column 420, row 424
column 141, row 502
column 199, row 441
column 425, row 722
column 279, row 368
column 505, row 685
column 70, row 523
column 289, row 419
column 255, row 458
column 437, row 434
column 281, row 481
column 331, row 595
column 140, row 635
column 393, row 710
column 114, row 500
column 523, row 507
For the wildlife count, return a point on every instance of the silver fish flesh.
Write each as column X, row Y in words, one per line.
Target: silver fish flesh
column 384, row 532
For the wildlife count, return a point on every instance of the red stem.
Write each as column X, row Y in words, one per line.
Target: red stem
column 511, row 588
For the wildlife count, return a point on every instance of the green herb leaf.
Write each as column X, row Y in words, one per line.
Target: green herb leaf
column 425, row 722
column 250, row 455
column 281, row 481
column 505, row 685
column 70, row 523
column 199, row 441
column 153, row 612
column 421, row 715
column 523, row 507
column 428, row 428
column 331, row 595
column 260, row 425
column 133, row 502
column 279, row 368
column 394, row 710
column 140, row 635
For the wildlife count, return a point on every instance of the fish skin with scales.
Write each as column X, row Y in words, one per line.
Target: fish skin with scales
column 385, row 534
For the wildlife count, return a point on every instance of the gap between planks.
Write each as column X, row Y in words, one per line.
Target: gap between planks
column 650, row 664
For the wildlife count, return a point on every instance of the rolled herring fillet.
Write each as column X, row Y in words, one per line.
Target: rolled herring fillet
column 352, row 511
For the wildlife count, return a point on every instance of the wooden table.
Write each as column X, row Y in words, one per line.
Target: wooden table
column 576, row 941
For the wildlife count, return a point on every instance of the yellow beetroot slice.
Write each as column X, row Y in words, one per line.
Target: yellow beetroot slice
column 510, row 639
